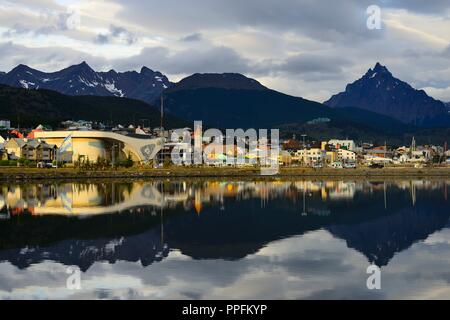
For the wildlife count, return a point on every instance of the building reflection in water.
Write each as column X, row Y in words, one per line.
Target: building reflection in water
column 81, row 223
column 110, row 197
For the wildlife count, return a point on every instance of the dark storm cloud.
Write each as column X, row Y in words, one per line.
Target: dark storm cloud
column 215, row 59
column 326, row 20
column 192, row 37
column 116, row 33
column 102, row 39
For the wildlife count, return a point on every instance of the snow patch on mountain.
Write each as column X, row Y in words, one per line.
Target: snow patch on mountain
column 111, row 87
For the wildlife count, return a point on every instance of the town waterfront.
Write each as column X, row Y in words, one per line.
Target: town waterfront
column 213, row 238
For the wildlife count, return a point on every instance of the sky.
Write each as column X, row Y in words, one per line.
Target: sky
column 307, row 48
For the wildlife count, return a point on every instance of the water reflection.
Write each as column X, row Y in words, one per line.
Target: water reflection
column 154, row 223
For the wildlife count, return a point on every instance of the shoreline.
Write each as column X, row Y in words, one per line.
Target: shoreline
column 33, row 174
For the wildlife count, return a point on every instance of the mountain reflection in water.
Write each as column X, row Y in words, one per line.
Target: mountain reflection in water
column 81, row 224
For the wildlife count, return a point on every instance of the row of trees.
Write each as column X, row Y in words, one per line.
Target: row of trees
column 84, row 163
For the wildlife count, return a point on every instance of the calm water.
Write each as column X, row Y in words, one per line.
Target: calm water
column 232, row 240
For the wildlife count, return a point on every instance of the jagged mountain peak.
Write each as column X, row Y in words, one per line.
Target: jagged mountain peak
column 81, row 79
column 380, row 68
column 379, row 91
column 145, row 70
column 378, row 71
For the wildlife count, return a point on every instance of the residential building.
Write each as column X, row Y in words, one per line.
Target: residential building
column 30, row 149
column 331, row 156
column 380, row 152
column 284, row 158
column 310, row 156
column 291, row 144
column 346, row 155
column 14, row 147
column 5, row 124
column 37, row 150
column 342, row 144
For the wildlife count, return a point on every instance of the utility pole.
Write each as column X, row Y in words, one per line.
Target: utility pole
column 304, row 149
column 162, row 113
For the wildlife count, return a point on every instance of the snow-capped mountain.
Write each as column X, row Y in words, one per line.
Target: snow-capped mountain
column 379, row 91
column 81, row 79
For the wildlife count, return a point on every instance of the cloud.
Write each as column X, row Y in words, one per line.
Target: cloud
column 45, row 59
column 428, row 7
column 213, row 59
column 192, row 37
column 303, row 47
column 116, row 33
column 314, row 66
column 323, row 20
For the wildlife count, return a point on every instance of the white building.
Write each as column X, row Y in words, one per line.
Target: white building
column 310, row 156
column 345, row 144
column 5, row 124
column 346, row 155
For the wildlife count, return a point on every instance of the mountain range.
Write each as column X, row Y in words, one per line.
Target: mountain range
column 376, row 107
column 146, row 85
column 379, row 91
column 213, row 99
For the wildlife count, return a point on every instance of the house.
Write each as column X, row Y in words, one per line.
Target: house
column 420, row 156
column 14, row 147
column 284, row 158
column 30, row 149
column 310, row 156
column 342, row 144
column 379, row 152
column 369, row 159
column 346, row 155
column 291, row 144
column 3, row 154
column 37, row 150
column 331, row 156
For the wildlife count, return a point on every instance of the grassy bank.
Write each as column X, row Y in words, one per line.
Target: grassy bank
column 14, row 174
